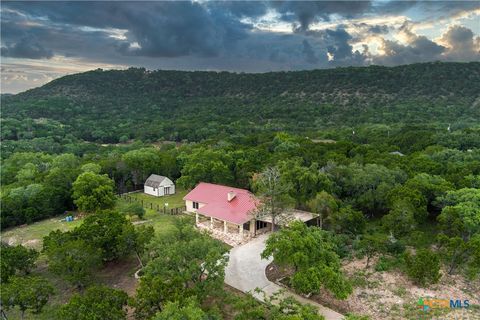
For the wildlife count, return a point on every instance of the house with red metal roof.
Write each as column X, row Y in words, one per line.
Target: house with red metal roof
column 231, row 214
column 226, row 209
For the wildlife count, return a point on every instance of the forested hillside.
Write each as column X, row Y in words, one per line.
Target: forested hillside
column 388, row 159
column 112, row 106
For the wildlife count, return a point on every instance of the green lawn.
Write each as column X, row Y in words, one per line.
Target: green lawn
column 174, row 201
column 161, row 222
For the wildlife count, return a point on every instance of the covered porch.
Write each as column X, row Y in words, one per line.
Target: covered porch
column 231, row 233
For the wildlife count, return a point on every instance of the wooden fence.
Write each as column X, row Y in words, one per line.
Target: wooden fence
column 153, row 206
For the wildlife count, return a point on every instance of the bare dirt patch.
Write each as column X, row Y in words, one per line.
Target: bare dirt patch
column 120, row 275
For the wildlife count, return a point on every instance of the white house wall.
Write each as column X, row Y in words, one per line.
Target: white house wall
column 189, row 205
column 149, row 190
column 167, row 183
column 160, row 191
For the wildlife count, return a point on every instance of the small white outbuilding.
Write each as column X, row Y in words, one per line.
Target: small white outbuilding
column 159, row 186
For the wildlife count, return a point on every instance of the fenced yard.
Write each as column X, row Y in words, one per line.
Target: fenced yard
column 171, row 204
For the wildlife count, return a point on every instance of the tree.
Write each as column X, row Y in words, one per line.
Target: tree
column 456, row 252
column 14, row 259
column 104, row 230
column 324, row 205
column 372, row 244
column 273, row 193
column 423, row 267
column 205, row 164
column 366, row 186
column 304, row 181
column 461, row 212
column 460, row 225
column 72, row 259
column 93, row 192
column 184, row 263
column 347, row 220
column 401, row 219
column 143, row 162
column 188, row 311
column 311, row 253
column 135, row 239
column 154, row 292
column 413, row 197
column 26, row 204
column 26, row 293
column 430, row 186
column 91, row 167
column 97, row 302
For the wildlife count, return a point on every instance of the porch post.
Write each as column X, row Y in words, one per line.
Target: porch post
column 225, row 228
column 241, row 230
column 211, row 222
column 196, row 218
column 253, row 226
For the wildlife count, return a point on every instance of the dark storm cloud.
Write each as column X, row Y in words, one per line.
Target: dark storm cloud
column 240, row 9
column 306, row 12
column 185, row 28
column 222, row 35
column 161, row 29
column 337, row 43
column 26, row 48
column 309, row 53
column 340, row 49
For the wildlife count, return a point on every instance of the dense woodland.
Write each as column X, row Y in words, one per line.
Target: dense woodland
column 389, row 158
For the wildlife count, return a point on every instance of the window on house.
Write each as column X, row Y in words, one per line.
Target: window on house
column 261, row 225
column 195, row 205
column 154, row 189
column 167, row 190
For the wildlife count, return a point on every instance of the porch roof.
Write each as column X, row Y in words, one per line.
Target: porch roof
column 289, row 216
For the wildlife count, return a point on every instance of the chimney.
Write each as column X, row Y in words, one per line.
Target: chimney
column 231, row 195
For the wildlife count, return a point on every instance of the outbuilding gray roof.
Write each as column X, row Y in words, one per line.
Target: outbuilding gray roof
column 154, row 180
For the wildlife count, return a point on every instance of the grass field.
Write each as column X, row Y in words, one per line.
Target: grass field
column 160, row 222
column 31, row 235
column 174, row 201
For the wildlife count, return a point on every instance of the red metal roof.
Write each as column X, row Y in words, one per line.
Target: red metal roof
column 215, row 198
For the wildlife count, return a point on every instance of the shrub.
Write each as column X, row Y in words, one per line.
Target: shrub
column 351, row 316
column 383, row 264
column 134, row 209
column 395, row 247
column 423, row 267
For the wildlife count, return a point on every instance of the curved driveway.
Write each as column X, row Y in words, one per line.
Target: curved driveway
column 246, row 271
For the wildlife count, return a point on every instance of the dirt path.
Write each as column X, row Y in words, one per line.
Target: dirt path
column 246, row 272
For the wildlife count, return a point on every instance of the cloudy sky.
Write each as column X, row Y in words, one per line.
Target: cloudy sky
column 44, row 40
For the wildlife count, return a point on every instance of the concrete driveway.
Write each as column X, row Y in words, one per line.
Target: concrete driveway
column 246, row 271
